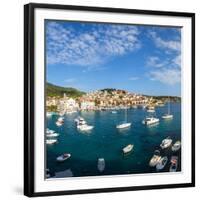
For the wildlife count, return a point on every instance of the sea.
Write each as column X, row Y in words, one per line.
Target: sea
column 106, row 141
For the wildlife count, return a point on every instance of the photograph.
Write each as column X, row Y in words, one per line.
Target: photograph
column 112, row 99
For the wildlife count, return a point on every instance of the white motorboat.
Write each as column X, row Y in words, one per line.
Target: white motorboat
column 114, row 112
column 166, row 143
column 128, row 148
column 174, row 164
column 125, row 124
column 155, row 159
column 168, row 115
column 150, row 120
column 51, row 141
column 58, row 123
column 71, row 111
column 101, row 164
column 85, row 127
column 60, row 119
column 80, row 121
column 162, row 162
column 48, row 131
column 48, row 114
column 176, row 146
column 151, row 110
column 63, row 157
column 52, row 135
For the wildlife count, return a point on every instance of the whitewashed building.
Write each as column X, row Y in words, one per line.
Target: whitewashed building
column 87, row 105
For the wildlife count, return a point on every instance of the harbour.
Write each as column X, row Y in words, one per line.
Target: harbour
column 106, row 141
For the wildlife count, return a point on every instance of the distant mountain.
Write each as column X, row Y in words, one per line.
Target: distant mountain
column 54, row 90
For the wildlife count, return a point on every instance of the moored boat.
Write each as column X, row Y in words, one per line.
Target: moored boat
column 60, row 119
column 150, row 120
column 128, row 148
column 168, row 115
column 114, row 112
column 51, row 141
column 52, row 135
column 63, row 157
column 125, row 124
column 58, row 123
column 176, row 146
column 48, row 114
column 48, row 131
column 85, row 127
column 174, row 164
column 162, row 163
column 101, row 164
column 166, row 143
column 155, row 159
column 151, row 110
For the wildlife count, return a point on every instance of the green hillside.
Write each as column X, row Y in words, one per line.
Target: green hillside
column 54, row 90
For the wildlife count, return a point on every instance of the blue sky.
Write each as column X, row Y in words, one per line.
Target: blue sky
column 91, row 56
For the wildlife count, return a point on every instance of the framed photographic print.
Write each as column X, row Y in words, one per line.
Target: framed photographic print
column 109, row 99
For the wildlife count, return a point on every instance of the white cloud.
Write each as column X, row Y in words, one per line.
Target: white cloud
column 168, row 45
column 133, row 78
column 155, row 61
column 177, row 60
column 168, row 70
column 88, row 47
column 166, row 76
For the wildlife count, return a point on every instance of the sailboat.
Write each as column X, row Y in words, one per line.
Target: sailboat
column 168, row 115
column 125, row 124
column 151, row 119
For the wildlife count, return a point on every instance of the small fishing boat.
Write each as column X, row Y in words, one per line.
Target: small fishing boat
column 128, row 148
column 176, row 146
column 101, row 164
column 174, row 164
column 63, row 157
column 155, row 159
column 51, row 141
column 161, row 163
column 166, row 143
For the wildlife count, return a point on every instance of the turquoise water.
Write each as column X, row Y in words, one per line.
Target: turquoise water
column 105, row 141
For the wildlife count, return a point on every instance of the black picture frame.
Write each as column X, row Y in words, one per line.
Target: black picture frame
column 29, row 94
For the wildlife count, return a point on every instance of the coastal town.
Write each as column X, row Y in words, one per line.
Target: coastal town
column 101, row 100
